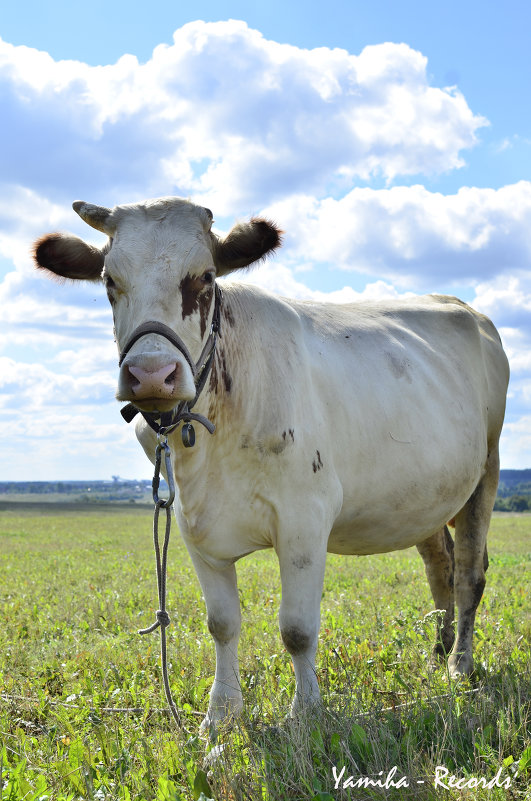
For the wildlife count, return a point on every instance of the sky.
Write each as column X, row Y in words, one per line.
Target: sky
column 391, row 141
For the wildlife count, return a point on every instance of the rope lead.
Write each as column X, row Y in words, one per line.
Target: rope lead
column 162, row 617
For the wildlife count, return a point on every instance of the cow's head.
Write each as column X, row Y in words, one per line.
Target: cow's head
column 159, row 263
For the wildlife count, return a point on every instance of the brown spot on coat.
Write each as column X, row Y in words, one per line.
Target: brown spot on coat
column 226, row 376
column 295, row 639
column 317, row 463
column 220, row 371
column 278, row 447
column 302, row 561
column 227, row 314
column 221, row 628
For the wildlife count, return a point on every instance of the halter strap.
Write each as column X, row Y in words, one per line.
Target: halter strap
column 200, row 370
column 154, row 327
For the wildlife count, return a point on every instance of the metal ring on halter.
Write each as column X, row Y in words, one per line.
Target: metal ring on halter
column 161, row 502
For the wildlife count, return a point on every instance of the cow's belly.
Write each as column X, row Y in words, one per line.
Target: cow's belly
column 406, row 507
column 362, row 537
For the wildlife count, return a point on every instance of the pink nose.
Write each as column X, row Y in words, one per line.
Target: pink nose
column 152, row 384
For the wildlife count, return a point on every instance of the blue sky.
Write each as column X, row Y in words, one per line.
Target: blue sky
column 392, row 142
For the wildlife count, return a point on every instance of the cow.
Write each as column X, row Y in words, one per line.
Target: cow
column 360, row 428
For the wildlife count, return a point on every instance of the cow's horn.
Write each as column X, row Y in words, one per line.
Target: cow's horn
column 98, row 217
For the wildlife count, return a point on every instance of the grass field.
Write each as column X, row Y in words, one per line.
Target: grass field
column 77, row 584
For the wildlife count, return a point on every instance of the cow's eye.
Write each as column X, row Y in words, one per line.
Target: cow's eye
column 208, row 278
column 109, row 283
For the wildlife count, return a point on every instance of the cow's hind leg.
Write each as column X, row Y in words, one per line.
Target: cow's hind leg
column 220, row 591
column 471, row 527
column 438, row 555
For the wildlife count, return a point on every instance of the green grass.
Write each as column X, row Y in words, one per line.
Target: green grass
column 77, row 585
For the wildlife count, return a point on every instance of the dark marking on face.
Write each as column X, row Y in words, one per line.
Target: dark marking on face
column 317, row 463
column 205, row 300
column 190, row 290
column 196, row 297
column 289, row 433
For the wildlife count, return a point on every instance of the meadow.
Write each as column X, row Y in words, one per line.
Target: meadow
column 82, row 709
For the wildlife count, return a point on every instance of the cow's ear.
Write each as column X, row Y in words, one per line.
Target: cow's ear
column 67, row 256
column 246, row 243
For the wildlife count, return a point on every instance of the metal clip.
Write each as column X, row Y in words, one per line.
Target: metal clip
column 188, row 435
column 163, row 445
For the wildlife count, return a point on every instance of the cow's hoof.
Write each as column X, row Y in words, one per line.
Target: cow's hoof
column 305, row 705
column 213, row 756
column 210, row 726
column 440, row 653
column 460, row 665
column 214, row 722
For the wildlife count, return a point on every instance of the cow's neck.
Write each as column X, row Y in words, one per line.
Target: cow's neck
column 241, row 398
column 220, row 403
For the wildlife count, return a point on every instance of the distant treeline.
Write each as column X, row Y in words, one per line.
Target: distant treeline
column 118, row 489
column 69, row 487
column 514, row 490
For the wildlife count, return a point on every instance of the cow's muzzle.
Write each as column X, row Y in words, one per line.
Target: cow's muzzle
column 162, row 388
column 154, row 383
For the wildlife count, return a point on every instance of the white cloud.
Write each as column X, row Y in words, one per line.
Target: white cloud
column 508, row 300
column 229, row 115
column 411, row 235
column 70, row 443
column 515, row 443
column 279, row 279
column 25, row 385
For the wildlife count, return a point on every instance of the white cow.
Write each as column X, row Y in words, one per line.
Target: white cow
column 353, row 429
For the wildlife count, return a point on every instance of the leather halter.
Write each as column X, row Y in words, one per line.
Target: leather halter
column 169, row 421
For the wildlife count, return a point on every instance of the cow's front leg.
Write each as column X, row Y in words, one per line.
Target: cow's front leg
column 302, row 572
column 220, row 591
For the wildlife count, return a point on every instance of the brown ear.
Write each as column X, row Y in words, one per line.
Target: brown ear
column 246, row 243
column 67, row 256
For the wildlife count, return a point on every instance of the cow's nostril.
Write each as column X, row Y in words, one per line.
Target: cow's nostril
column 170, row 380
column 133, row 380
